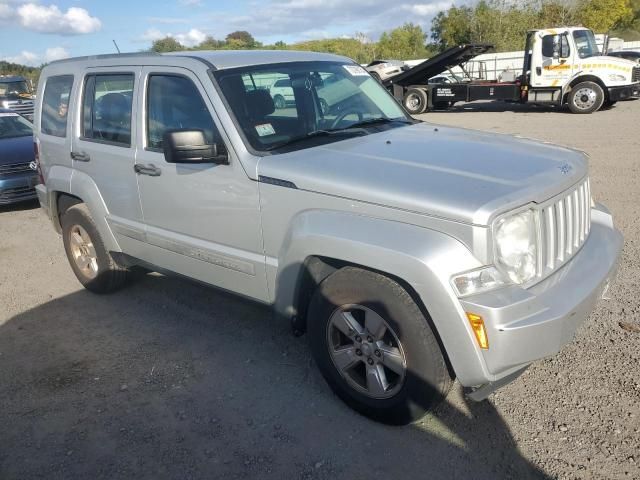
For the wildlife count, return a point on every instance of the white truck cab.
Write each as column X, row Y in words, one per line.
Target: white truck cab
column 566, row 66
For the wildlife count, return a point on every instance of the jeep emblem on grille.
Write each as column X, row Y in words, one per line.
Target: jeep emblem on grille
column 565, row 168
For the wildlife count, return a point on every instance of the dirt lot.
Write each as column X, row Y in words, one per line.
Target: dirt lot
column 169, row 379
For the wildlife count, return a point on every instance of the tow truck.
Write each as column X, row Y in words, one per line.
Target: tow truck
column 16, row 95
column 561, row 67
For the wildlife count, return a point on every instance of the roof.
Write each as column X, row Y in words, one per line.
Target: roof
column 221, row 59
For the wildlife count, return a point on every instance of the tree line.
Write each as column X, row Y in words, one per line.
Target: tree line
column 8, row 68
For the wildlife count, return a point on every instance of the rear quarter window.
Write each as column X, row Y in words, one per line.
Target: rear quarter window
column 55, row 105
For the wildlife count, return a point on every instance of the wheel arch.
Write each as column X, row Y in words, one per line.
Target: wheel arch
column 584, row 78
column 419, row 259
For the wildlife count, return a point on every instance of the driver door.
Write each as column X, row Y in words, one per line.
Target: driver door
column 201, row 220
column 552, row 66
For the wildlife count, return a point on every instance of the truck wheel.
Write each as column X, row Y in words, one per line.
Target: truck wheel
column 415, row 101
column 375, row 347
column 279, row 102
column 92, row 264
column 586, row 97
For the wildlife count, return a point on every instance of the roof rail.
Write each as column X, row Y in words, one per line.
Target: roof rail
column 105, row 56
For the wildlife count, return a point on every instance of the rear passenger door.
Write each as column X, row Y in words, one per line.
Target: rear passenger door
column 103, row 148
column 202, row 219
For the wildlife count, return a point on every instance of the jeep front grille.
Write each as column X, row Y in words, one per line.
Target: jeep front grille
column 565, row 222
column 23, row 107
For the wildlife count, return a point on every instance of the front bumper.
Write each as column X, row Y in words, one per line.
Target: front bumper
column 17, row 188
column 624, row 92
column 527, row 325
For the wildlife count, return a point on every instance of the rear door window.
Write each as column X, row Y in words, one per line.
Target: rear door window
column 106, row 108
column 55, row 105
column 174, row 103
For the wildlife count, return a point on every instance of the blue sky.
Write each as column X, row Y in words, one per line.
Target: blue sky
column 33, row 32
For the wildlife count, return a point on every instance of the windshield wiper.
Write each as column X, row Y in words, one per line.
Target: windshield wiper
column 376, row 121
column 315, row 133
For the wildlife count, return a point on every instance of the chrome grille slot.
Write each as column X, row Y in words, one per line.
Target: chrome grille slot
column 15, row 168
column 565, row 222
column 635, row 77
column 24, row 107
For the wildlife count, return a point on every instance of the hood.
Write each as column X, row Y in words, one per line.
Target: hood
column 16, row 150
column 459, row 174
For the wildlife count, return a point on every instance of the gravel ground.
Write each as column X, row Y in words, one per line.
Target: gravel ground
column 169, row 379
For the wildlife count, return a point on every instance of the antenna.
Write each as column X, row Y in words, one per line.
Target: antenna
column 114, row 42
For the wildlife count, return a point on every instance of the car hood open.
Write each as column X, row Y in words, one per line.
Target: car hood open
column 453, row 173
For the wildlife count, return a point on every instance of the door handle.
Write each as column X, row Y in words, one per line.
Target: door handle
column 80, row 156
column 150, row 170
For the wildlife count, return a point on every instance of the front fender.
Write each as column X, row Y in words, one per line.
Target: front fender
column 423, row 258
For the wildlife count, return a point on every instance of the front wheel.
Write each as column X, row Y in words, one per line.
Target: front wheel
column 586, row 97
column 375, row 347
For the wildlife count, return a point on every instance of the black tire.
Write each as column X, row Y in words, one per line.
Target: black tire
column 426, row 381
column 585, row 97
column 415, row 101
column 279, row 102
column 109, row 276
column 608, row 104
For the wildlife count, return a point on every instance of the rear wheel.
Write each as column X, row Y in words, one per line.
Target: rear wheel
column 375, row 347
column 92, row 264
column 415, row 101
column 586, row 97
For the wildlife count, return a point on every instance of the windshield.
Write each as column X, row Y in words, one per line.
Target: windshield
column 14, row 88
column 13, row 125
column 296, row 105
column 585, row 43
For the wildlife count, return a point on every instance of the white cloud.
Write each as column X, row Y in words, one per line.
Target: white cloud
column 36, row 59
column 56, row 53
column 188, row 39
column 271, row 19
column 49, row 19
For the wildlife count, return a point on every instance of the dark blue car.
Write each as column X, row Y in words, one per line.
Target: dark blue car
column 18, row 169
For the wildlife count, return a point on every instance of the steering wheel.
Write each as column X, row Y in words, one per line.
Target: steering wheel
column 345, row 114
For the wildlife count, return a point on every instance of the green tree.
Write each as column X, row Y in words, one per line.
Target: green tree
column 603, row 15
column 405, row 42
column 210, row 43
column 166, row 44
column 241, row 40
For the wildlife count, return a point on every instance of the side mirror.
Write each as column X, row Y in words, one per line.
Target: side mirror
column 190, row 146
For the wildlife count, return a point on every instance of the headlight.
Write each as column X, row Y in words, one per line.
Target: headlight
column 5, row 104
column 614, row 77
column 515, row 240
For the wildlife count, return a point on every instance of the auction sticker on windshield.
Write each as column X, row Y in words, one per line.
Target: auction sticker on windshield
column 356, row 70
column 265, row 129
